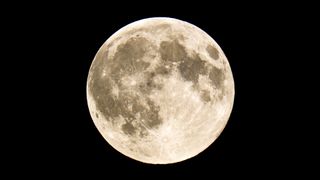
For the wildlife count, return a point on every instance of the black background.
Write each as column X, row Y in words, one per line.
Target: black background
column 51, row 51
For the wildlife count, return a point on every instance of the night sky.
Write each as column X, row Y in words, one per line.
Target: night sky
column 55, row 133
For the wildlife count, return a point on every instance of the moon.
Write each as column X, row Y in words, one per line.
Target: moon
column 160, row 90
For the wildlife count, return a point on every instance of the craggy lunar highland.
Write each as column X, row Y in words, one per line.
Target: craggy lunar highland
column 160, row 90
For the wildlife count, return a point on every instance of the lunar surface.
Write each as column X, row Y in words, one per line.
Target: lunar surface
column 160, row 90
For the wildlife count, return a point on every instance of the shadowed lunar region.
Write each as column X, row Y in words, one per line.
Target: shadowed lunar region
column 160, row 90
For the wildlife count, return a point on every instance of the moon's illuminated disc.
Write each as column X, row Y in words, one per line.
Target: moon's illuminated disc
column 160, row 90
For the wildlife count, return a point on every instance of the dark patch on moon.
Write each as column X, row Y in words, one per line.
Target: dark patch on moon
column 137, row 107
column 217, row 76
column 151, row 116
column 133, row 49
column 149, row 84
column 122, row 106
column 191, row 68
column 100, row 86
column 127, row 58
column 205, row 96
column 126, row 61
column 162, row 70
column 213, row 52
column 172, row 51
column 128, row 128
column 113, row 107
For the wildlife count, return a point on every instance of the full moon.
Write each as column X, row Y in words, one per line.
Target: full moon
column 160, row 90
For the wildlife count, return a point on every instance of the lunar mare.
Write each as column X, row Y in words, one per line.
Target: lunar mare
column 160, row 90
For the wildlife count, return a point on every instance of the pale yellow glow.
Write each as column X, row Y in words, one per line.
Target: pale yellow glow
column 190, row 124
